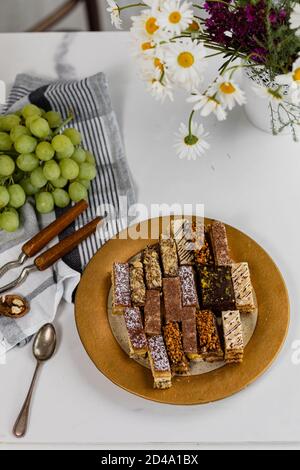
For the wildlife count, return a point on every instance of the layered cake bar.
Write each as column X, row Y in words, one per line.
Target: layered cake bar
column 204, row 253
column 233, row 337
column 242, row 286
column 216, row 288
column 220, row 244
column 188, row 286
column 159, row 362
column 182, row 232
column 121, row 288
column 210, row 349
column 173, row 341
column 152, row 313
column 136, row 336
column 152, row 268
column 172, row 298
column 168, row 252
column 189, row 333
column 137, row 284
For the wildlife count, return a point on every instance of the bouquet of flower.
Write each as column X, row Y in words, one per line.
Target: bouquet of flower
column 174, row 40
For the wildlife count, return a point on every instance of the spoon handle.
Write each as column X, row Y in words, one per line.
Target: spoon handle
column 20, row 426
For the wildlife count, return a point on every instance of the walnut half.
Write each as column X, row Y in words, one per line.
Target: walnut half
column 13, row 306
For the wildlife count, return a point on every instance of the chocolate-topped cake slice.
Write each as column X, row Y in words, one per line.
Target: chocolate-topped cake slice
column 136, row 335
column 220, row 244
column 168, row 252
column 188, row 286
column 189, row 333
column 152, row 312
column 159, row 362
column 216, row 288
column 152, row 268
column 172, row 299
column 121, row 288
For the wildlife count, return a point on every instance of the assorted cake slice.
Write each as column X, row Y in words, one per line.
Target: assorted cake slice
column 172, row 295
column 135, row 332
column 159, row 362
column 233, row 337
column 121, row 288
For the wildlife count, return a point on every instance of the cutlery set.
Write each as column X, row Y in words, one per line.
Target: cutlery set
column 45, row 341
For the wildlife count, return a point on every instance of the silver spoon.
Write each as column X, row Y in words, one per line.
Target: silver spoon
column 43, row 349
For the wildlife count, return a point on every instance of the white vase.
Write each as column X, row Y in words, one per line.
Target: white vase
column 258, row 109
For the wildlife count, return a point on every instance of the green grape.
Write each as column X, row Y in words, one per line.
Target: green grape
column 85, row 183
column 7, row 165
column 61, row 197
column 59, row 182
column 87, row 171
column 31, row 110
column 4, row 197
column 9, row 121
column 90, row 157
column 79, row 155
column 45, row 151
column 30, row 119
column 54, row 119
column 63, row 146
column 5, row 142
column 18, row 175
column 29, row 189
column 37, row 178
column 27, row 162
column 51, row 170
column 44, row 202
column 9, row 220
column 74, row 135
column 40, row 128
column 17, row 196
column 18, row 131
column 69, row 169
column 25, row 144
column 77, row 192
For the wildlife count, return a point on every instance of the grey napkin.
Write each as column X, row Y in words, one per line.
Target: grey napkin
column 111, row 193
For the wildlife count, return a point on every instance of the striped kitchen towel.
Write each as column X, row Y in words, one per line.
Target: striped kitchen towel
column 111, row 193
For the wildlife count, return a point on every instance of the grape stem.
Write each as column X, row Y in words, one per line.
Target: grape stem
column 69, row 119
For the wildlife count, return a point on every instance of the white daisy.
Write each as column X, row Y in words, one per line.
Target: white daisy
column 274, row 96
column 158, row 84
column 207, row 105
column 145, row 27
column 227, row 92
column 191, row 146
column 114, row 11
column 175, row 16
column 292, row 79
column 185, row 62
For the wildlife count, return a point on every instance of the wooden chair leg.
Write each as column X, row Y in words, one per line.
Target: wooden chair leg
column 93, row 15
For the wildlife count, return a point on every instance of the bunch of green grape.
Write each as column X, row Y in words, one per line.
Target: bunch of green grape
column 42, row 159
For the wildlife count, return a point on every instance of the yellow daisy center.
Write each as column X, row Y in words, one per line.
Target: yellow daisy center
column 194, row 26
column 227, row 88
column 158, row 64
column 151, row 26
column 175, row 17
column 186, row 60
column 146, row 46
column 296, row 75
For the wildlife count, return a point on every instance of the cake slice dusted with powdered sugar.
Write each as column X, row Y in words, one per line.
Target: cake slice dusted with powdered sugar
column 159, row 362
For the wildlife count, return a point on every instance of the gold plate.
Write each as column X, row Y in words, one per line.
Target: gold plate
column 102, row 348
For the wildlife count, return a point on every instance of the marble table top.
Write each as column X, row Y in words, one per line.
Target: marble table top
column 249, row 179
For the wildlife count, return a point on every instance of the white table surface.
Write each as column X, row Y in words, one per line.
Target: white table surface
column 248, row 179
